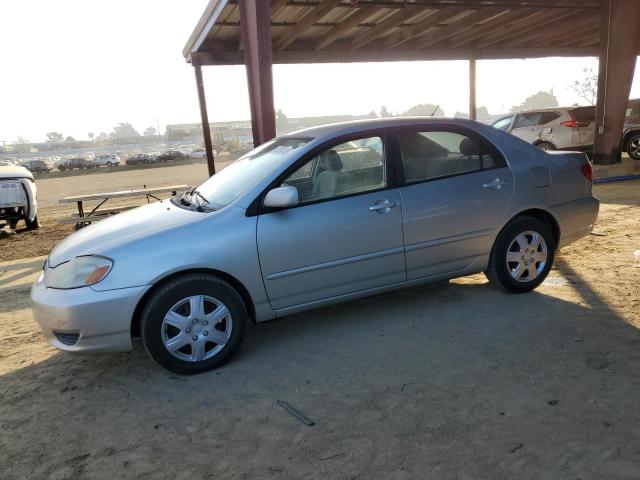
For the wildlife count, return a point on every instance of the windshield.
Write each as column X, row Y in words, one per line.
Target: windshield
column 232, row 181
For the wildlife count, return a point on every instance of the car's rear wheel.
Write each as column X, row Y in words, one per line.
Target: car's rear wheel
column 633, row 147
column 545, row 146
column 193, row 323
column 522, row 255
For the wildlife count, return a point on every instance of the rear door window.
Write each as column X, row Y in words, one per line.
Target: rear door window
column 433, row 154
column 530, row 119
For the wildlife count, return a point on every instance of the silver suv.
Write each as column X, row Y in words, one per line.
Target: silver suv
column 571, row 128
column 553, row 128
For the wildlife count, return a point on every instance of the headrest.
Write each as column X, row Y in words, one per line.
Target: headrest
column 332, row 161
column 469, row 148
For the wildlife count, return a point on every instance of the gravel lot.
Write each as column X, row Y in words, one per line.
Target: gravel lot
column 453, row 380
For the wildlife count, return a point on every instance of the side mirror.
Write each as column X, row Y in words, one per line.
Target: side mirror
column 282, row 197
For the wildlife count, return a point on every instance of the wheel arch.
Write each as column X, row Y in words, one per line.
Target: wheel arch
column 539, row 141
column 544, row 216
column 230, row 279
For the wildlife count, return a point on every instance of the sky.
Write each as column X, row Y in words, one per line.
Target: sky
column 77, row 67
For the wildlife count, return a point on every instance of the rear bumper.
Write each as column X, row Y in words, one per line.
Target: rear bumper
column 576, row 218
column 101, row 321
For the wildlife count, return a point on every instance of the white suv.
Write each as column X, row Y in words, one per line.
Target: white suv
column 106, row 160
column 559, row 128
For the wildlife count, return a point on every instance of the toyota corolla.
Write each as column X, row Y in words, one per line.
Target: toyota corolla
column 312, row 218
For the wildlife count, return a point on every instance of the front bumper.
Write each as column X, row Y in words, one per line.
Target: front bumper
column 100, row 320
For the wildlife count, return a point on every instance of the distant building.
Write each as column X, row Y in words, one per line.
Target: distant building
column 240, row 131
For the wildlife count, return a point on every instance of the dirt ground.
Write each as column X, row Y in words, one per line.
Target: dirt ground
column 454, row 380
column 23, row 244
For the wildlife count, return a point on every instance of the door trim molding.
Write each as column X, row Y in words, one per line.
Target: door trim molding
column 335, row 263
column 451, row 239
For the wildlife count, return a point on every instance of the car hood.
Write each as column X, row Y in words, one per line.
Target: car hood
column 101, row 237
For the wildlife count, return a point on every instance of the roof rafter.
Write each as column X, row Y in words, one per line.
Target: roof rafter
column 305, row 22
column 353, row 20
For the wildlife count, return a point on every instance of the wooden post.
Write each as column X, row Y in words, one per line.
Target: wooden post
column 255, row 25
column 204, row 117
column 472, row 89
column 619, row 38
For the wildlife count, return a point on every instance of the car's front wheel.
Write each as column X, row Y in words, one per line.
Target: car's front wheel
column 522, row 255
column 193, row 323
column 633, row 147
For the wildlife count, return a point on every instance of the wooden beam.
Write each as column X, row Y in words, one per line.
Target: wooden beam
column 256, row 39
column 510, row 17
column 619, row 41
column 533, row 5
column 462, row 25
column 352, row 21
column 312, row 16
column 549, row 30
column 422, row 27
column 399, row 55
column 506, row 38
column 204, row 117
column 277, row 6
column 472, row 89
column 388, row 23
column 567, row 37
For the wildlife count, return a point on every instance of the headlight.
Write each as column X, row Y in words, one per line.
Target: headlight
column 78, row 272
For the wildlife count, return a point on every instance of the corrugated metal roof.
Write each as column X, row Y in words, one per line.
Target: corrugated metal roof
column 308, row 31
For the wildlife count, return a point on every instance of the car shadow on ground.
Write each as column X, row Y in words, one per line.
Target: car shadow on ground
column 455, row 379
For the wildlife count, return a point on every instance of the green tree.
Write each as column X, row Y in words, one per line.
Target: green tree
column 124, row 130
column 54, row 137
column 149, row 132
column 282, row 121
column 587, row 88
column 384, row 112
column 424, row 109
column 536, row 101
column 69, row 139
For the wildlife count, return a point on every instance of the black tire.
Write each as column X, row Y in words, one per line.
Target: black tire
column 175, row 290
column 546, row 146
column 633, row 147
column 32, row 225
column 499, row 271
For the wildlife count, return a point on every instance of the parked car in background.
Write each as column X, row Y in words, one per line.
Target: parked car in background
column 313, row 218
column 172, row 155
column 198, row 153
column 38, row 165
column 106, row 161
column 73, row 162
column 18, row 197
column 553, row 128
column 631, row 133
column 9, row 161
column 141, row 158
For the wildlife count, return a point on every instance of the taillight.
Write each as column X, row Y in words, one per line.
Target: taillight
column 570, row 124
column 573, row 123
column 587, row 171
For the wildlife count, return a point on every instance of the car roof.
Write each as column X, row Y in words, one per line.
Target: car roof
column 354, row 126
column 15, row 171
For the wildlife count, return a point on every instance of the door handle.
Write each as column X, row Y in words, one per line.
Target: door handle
column 496, row 184
column 382, row 206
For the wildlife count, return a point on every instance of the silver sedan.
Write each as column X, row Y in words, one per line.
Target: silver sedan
column 312, row 218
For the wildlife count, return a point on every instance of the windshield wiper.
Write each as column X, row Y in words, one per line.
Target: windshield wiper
column 202, row 202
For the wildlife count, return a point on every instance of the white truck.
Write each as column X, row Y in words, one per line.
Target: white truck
column 18, row 197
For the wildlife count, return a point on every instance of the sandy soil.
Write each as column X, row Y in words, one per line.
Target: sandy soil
column 449, row 381
column 24, row 244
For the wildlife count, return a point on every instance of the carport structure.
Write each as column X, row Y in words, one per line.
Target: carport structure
column 260, row 33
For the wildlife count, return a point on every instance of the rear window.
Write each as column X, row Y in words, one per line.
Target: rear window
column 532, row 119
column 584, row 114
